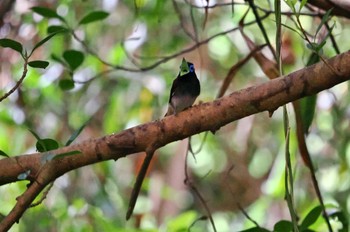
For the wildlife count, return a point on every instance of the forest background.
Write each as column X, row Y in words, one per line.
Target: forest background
column 74, row 71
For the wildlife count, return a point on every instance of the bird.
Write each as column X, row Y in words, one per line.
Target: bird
column 184, row 90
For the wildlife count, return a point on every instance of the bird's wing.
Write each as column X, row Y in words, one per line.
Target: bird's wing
column 173, row 88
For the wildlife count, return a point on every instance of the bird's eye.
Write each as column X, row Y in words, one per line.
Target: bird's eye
column 191, row 68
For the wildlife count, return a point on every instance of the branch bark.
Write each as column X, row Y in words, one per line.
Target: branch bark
column 210, row 116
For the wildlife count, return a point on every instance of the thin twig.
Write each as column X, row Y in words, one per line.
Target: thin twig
column 18, row 83
column 190, row 184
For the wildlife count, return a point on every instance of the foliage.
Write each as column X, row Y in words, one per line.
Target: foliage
column 83, row 69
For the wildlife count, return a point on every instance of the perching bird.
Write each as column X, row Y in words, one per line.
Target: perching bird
column 185, row 89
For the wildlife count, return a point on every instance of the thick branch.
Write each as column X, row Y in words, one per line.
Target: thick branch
column 204, row 117
column 264, row 97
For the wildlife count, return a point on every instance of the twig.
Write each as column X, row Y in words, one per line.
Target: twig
column 18, row 83
column 190, row 184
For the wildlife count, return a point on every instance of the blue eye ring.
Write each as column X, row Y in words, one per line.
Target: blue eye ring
column 191, row 67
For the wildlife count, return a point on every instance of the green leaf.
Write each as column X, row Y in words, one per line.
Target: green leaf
column 294, row 30
column 2, row 153
column 73, row 58
column 325, row 18
column 76, row 133
column 9, row 43
column 38, row 64
column 47, row 13
column 255, row 229
column 94, row 16
column 46, row 145
column 313, row 59
column 291, row 4
column 47, row 38
column 35, row 134
column 311, row 218
column 307, row 111
column 43, row 145
column 55, row 28
column 282, row 226
column 302, row 4
column 66, row 84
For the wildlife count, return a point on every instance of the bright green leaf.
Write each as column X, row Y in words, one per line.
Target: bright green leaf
column 311, row 218
column 94, row 16
column 302, row 4
column 73, row 58
column 66, row 84
column 139, row 3
column 38, row 64
column 9, row 43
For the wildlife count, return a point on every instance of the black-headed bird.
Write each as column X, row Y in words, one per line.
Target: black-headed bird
column 185, row 89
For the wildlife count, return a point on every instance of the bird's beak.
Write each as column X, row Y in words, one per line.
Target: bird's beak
column 184, row 68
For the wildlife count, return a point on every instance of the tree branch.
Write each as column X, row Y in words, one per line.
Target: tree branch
column 45, row 168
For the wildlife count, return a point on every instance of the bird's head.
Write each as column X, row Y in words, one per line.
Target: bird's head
column 186, row 67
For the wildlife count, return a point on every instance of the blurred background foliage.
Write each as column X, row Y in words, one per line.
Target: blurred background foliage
column 116, row 72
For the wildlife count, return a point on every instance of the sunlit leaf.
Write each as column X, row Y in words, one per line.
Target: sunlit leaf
column 38, row 64
column 74, row 58
column 66, row 84
column 9, row 43
column 302, row 4
column 93, row 17
column 291, row 4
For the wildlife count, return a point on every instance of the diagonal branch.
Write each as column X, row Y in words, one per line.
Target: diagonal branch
column 44, row 168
